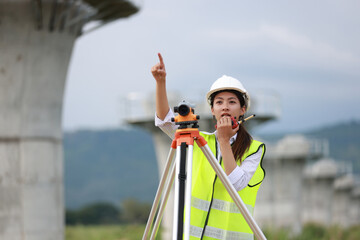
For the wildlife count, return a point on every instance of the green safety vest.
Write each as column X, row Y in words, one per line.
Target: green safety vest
column 212, row 207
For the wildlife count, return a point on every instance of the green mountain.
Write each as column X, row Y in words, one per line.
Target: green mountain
column 344, row 142
column 109, row 166
column 113, row 165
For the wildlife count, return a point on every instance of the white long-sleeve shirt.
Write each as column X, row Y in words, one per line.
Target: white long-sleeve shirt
column 240, row 176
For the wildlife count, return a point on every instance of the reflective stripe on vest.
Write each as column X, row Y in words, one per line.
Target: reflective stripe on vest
column 218, row 233
column 211, row 205
column 218, row 204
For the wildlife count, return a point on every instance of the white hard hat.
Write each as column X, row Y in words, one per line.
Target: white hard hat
column 229, row 83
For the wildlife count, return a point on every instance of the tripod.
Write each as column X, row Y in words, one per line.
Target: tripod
column 183, row 144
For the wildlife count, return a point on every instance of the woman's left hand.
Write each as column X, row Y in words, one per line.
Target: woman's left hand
column 224, row 129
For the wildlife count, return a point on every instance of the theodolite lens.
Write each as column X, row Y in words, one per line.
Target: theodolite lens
column 184, row 109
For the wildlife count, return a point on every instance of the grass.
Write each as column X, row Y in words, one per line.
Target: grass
column 104, row 232
column 135, row 232
column 314, row 231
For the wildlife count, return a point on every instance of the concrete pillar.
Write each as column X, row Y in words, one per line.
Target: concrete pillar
column 279, row 199
column 319, row 192
column 162, row 148
column 33, row 68
column 343, row 187
column 355, row 206
column 264, row 212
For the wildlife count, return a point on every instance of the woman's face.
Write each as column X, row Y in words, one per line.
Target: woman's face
column 227, row 104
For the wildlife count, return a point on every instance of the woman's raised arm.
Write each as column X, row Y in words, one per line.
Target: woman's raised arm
column 161, row 101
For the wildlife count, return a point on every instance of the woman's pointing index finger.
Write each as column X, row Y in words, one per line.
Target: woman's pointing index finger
column 161, row 59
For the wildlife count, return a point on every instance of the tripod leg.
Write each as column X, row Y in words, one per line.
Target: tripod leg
column 178, row 195
column 183, row 192
column 159, row 193
column 188, row 192
column 231, row 190
column 163, row 203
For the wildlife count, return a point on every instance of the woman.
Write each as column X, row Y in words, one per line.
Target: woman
column 214, row 215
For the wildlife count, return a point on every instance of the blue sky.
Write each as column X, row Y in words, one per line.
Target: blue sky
column 305, row 52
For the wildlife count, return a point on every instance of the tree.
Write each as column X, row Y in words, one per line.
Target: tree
column 134, row 211
column 71, row 217
column 97, row 213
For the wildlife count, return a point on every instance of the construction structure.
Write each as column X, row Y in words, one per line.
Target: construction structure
column 265, row 105
column 36, row 42
column 281, row 191
column 303, row 185
column 319, row 193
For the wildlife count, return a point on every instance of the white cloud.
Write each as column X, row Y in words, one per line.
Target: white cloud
column 316, row 49
column 292, row 47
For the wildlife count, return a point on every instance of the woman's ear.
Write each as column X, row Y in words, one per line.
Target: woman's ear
column 243, row 109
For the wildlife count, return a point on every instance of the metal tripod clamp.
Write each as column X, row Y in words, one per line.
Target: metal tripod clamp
column 188, row 136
